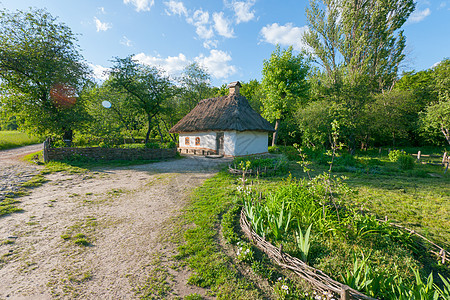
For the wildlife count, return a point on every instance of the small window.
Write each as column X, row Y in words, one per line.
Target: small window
column 186, row 141
column 197, row 141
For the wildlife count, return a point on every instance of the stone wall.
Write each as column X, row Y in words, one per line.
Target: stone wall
column 97, row 153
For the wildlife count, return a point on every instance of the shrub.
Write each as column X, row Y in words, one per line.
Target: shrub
column 404, row 161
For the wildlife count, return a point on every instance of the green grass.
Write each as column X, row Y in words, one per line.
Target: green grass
column 13, row 139
column 200, row 248
column 412, row 198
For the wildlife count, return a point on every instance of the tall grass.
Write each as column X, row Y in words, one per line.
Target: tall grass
column 13, row 139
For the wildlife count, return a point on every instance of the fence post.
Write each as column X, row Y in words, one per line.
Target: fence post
column 444, row 158
column 418, row 156
column 45, row 152
column 345, row 292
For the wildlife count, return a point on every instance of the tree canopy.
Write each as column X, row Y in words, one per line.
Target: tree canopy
column 41, row 71
column 284, row 83
column 146, row 86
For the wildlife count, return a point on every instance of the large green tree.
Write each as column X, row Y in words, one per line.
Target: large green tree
column 284, row 83
column 41, row 72
column 353, row 40
column 147, row 87
column 437, row 115
column 359, row 46
column 196, row 85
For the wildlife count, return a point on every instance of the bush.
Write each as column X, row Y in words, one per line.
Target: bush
column 404, row 161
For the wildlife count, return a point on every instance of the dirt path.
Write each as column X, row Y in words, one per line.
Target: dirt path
column 118, row 213
column 13, row 171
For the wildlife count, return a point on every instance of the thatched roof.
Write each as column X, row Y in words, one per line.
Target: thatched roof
column 232, row 112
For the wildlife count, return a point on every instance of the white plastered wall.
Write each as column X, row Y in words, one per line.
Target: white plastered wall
column 229, row 142
column 251, row 142
column 207, row 140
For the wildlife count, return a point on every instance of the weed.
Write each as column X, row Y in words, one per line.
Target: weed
column 66, row 236
column 82, row 242
column 194, row 296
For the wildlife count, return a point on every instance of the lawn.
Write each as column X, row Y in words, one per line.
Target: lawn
column 13, row 139
column 417, row 198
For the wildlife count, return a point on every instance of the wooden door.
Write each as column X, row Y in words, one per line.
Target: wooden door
column 219, row 142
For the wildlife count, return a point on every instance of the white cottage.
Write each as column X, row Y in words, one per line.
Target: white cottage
column 224, row 125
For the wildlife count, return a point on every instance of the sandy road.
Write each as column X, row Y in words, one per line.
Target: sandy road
column 120, row 212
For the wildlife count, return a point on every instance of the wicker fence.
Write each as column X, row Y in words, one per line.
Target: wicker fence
column 318, row 279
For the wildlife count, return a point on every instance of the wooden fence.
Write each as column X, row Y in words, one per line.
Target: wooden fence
column 443, row 160
column 318, row 279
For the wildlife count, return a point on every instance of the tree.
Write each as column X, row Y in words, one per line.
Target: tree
column 392, row 116
column 357, row 39
column 196, row 85
column 437, row 115
column 284, row 83
column 146, row 86
column 41, row 72
column 359, row 46
column 114, row 122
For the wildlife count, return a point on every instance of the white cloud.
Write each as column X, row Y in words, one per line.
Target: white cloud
column 173, row 65
column 200, row 19
column 141, row 5
column 126, row 41
column 436, row 64
column 217, row 64
column 285, row 35
column 419, row 15
column 222, row 25
column 175, row 8
column 101, row 10
column 101, row 26
column 99, row 71
column 442, row 5
column 243, row 11
column 210, row 44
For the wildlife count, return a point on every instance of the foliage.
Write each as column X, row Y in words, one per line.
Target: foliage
column 405, row 161
column 146, row 87
column 315, row 205
column 278, row 163
column 196, row 85
column 121, row 119
column 284, row 83
column 303, row 242
column 353, row 40
column 436, row 117
column 41, row 72
column 392, row 116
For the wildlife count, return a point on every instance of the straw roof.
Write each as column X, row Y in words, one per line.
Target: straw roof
column 232, row 112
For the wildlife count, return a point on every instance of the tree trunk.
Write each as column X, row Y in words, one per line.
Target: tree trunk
column 275, row 134
column 446, row 133
column 172, row 136
column 159, row 131
column 147, row 135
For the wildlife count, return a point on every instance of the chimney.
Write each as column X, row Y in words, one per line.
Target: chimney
column 234, row 87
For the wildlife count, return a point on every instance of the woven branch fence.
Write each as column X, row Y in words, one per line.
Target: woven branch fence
column 441, row 253
column 318, row 279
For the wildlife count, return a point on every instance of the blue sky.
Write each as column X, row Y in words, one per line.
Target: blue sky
column 231, row 38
